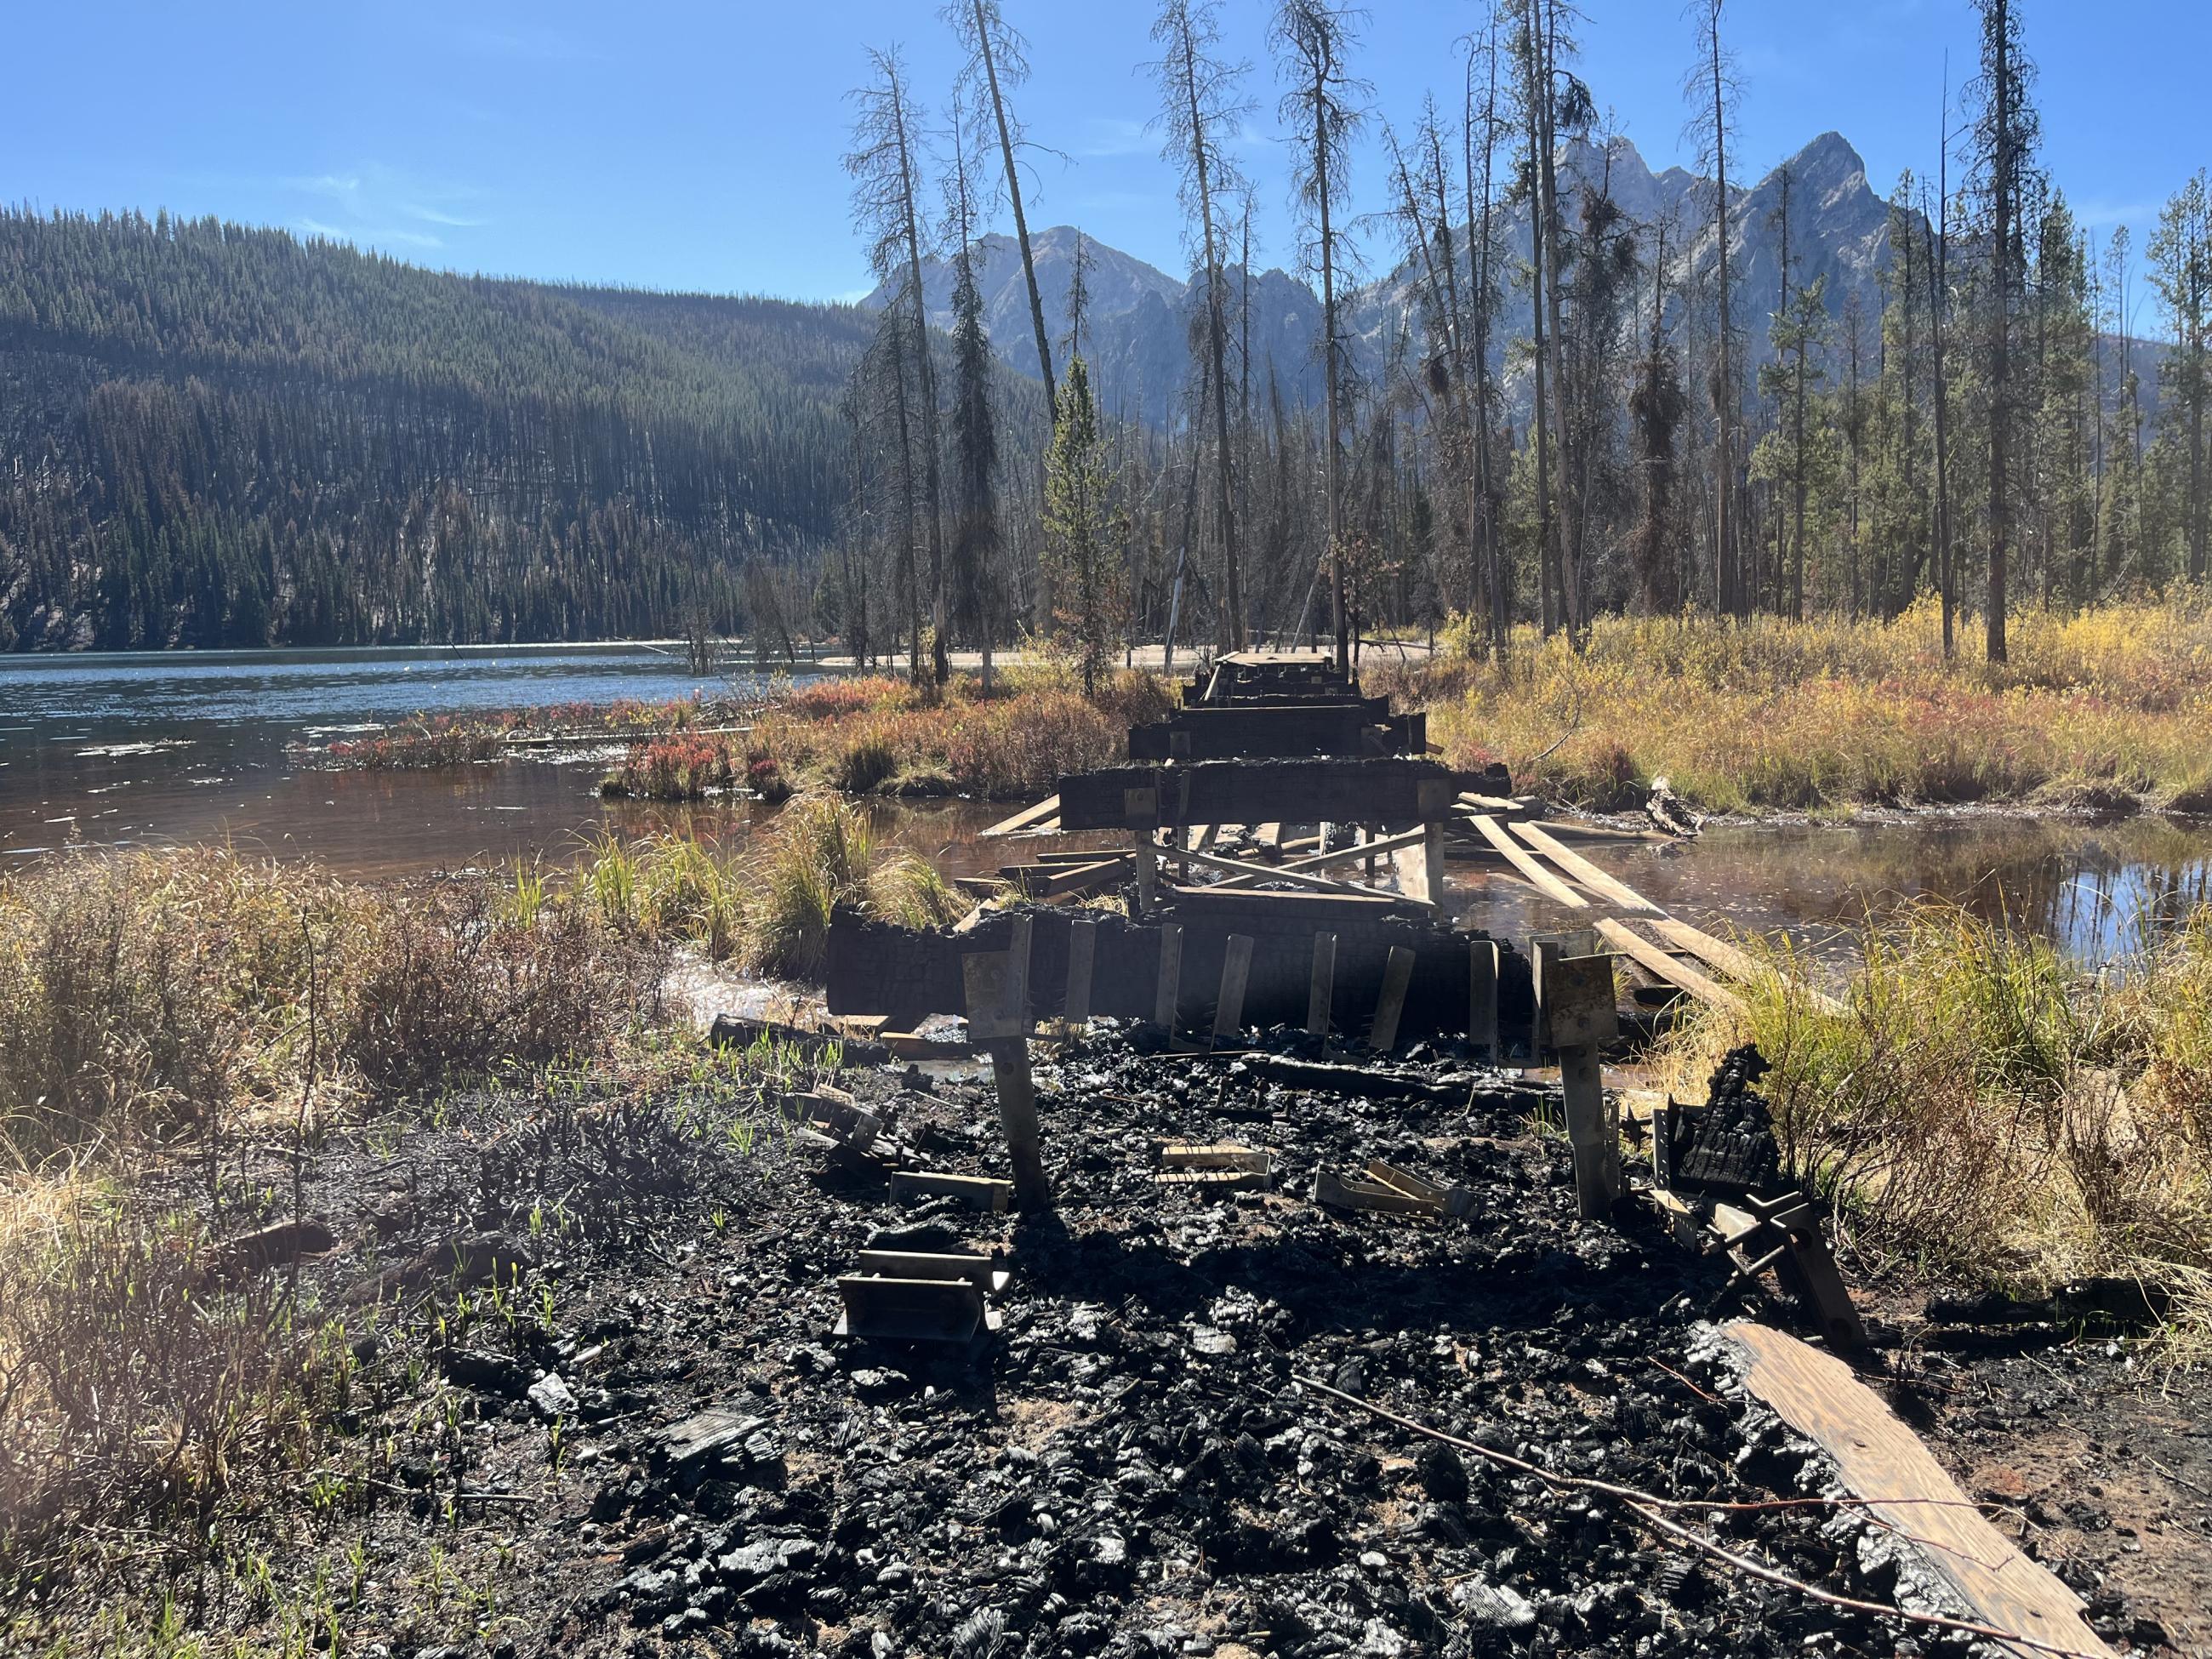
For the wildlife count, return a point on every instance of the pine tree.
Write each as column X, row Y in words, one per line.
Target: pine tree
column 1081, row 528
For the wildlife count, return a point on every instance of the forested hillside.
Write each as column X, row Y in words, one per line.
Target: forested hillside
column 220, row 435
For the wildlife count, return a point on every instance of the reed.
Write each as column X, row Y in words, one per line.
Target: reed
column 1989, row 1107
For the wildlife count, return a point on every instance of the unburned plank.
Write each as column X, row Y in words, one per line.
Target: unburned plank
column 1027, row 819
column 1737, row 964
column 1907, row 1489
column 1631, row 944
column 1598, row 881
column 1531, row 868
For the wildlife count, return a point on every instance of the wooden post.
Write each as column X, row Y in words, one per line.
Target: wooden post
column 997, row 985
column 1170, row 983
column 1148, row 873
column 1235, row 971
column 1482, row 997
column 1575, row 1005
column 1082, row 952
column 1432, row 860
column 1397, row 978
column 1321, row 993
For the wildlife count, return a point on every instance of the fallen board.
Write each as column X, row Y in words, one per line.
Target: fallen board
column 1632, row 945
column 1906, row 1490
column 1610, row 887
column 1027, row 819
column 1529, row 866
column 1737, row 964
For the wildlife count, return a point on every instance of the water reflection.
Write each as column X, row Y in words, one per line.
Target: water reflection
column 2097, row 890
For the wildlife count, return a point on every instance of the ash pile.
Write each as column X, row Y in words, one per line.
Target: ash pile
column 1151, row 1452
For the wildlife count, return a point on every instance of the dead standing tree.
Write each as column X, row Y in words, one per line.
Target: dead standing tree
column 998, row 57
column 1199, row 110
column 1710, row 87
column 1323, row 106
column 886, row 165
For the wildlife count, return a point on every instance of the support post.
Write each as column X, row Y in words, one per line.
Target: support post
column 1482, row 997
column 1432, row 861
column 1148, row 873
column 1397, row 979
column 997, row 985
column 1165, row 994
column 1321, row 994
column 1575, row 1006
column 1082, row 953
column 1235, row 971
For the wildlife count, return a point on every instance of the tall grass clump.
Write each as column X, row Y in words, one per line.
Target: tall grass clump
column 2104, row 708
column 1989, row 1106
column 879, row 735
column 146, row 992
column 137, row 1383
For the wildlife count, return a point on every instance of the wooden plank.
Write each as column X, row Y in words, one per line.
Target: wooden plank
column 1737, row 964
column 1531, row 868
column 1027, row 818
column 1907, row 1491
column 1321, row 992
column 1082, row 955
column 1619, row 892
column 1339, row 1193
column 1390, row 1006
column 1301, row 878
column 1631, row 944
column 1319, row 861
column 1164, row 994
column 1235, row 971
column 1482, row 997
column 1574, row 831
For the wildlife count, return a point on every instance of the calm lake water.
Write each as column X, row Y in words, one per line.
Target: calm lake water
column 118, row 751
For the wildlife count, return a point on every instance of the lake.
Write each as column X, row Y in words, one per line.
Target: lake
column 138, row 750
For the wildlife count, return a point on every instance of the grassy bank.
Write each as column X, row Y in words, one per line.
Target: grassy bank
column 430, row 742
column 1991, row 1109
column 878, row 735
column 2108, row 707
column 197, row 1047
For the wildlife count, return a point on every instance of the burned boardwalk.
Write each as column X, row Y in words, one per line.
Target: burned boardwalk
column 1335, row 1353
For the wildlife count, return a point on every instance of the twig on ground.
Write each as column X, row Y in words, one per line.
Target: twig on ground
column 1645, row 1506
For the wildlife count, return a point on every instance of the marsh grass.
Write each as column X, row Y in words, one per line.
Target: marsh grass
column 765, row 905
column 876, row 735
column 148, row 992
column 2104, row 708
column 1990, row 1108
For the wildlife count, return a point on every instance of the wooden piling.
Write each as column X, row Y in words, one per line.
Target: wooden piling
column 1397, row 979
column 1235, row 971
column 1575, row 1002
column 1081, row 954
column 1320, row 993
column 1165, row 994
column 1482, row 997
column 1432, row 861
column 998, row 1016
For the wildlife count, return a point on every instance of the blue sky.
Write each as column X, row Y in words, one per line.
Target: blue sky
column 695, row 143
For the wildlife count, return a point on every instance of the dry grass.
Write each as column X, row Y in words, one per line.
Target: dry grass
column 2104, row 708
column 880, row 735
column 148, row 992
column 1989, row 1107
column 767, row 907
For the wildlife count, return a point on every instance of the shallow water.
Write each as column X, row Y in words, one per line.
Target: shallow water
column 125, row 750
column 138, row 750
